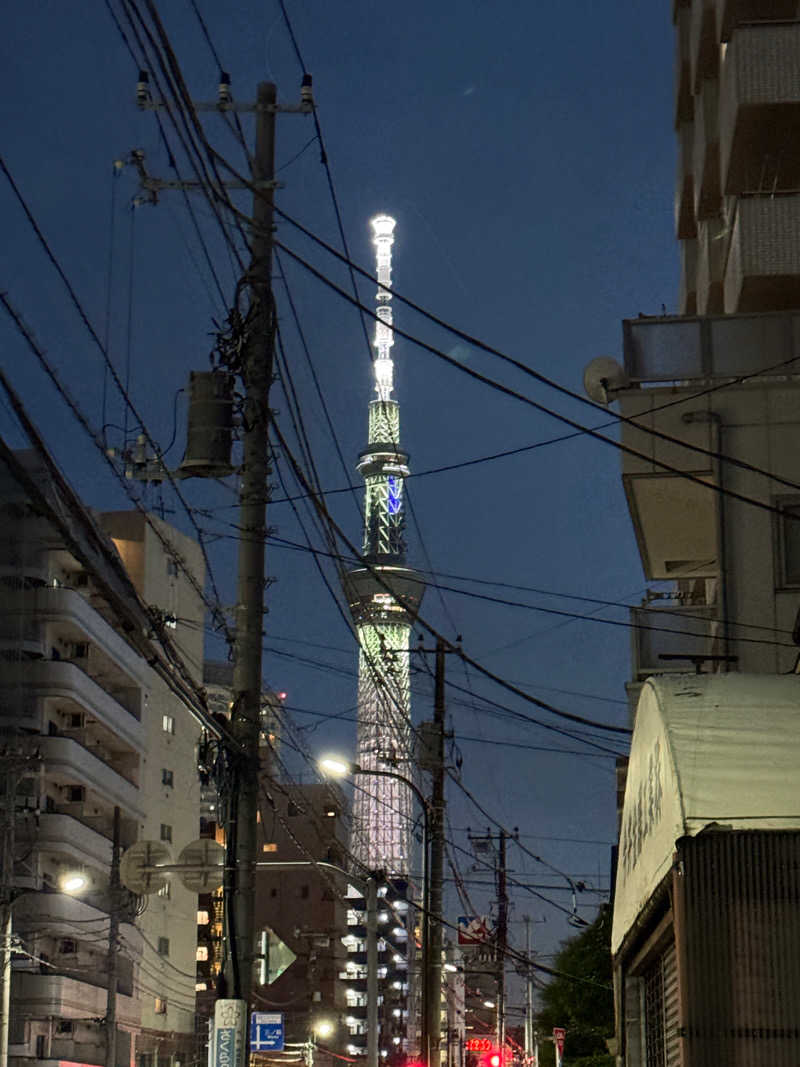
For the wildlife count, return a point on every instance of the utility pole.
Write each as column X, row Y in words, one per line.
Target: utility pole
column 531, row 1044
column 115, row 905
column 372, row 971
column 246, row 715
column 6, row 900
column 502, row 940
column 15, row 762
column 433, row 918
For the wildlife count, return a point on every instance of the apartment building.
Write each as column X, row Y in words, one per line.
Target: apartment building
column 737, row 115
column 714, row 392
column 157, row 557
column 112, row 756
column 703, row 948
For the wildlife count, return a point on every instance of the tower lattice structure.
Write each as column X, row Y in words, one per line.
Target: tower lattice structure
column 384, row 598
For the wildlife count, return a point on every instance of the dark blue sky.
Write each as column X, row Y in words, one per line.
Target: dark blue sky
column 526, row 151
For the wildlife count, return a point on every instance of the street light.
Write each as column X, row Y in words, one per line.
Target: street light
column 336, row 767
column 73, row 882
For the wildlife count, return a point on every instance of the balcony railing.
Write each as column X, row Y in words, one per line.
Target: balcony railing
column 680, row 631
column 681, row 350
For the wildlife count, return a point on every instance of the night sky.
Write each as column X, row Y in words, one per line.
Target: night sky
column 526, row 151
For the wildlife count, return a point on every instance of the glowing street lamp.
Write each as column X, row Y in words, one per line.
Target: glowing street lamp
column 73, row 882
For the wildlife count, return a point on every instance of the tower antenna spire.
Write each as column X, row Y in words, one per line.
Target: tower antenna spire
column 383, row 239
column 384, row 599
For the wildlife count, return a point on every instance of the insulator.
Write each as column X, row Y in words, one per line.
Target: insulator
column 143, row 88
column 306, row 94
column 224, row 89
column 210, row 426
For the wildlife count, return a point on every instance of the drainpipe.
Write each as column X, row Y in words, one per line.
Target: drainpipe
column 719, row 470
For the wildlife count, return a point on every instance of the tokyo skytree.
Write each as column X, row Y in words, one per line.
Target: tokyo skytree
column 384, row 599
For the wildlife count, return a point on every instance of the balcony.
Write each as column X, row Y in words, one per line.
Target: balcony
column 67, row 683
column 62, row 997
column 703, row 42
column 759, row 110
column 711, row 243
column 685, row 226
column 681, row 350
column 683, row 69
column 68, row 609
column 67, row 760
column 707, row 193
column 763, row 267
column 58, row 831
column 682, row 631
column 732, row 13
column 688, row 282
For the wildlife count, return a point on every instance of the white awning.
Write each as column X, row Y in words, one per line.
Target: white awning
column 716, row 748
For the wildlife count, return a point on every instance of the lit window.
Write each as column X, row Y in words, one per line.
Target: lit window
column 168, row 724
column 166, row 890
column 203, row 918
column 202, row 953
column 160, row 1006
column 269, row 847
column 201, row 987
column 166, row 832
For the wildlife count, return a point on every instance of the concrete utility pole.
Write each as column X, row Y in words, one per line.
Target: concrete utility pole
column 115, row 905
column 246, row 715
column 531, row 1045
column 15, row 762
column 432, row 918
column 502, row 940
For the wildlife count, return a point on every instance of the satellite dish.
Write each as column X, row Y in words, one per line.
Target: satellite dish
column 603, row 377
column 206, row 860
column 136, row 867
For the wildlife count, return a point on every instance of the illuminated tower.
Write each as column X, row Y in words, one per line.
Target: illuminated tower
column 384, row 599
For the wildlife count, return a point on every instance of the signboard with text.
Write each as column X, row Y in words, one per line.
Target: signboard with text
column 266, row 1031
column 227, row 1043
column 559, row 1034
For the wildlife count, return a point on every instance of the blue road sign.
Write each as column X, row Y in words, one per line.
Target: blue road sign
column 266, row 1031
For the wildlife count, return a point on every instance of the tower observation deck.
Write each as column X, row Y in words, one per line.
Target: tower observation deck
column 384, row 598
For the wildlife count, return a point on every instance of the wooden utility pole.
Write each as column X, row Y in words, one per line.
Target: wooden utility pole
column 246, row 716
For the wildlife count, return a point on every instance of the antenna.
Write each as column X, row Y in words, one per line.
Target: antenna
column 603, row 377
column 383, row 239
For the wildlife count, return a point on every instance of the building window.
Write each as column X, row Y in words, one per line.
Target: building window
column 788, row 538
column 166, row 832
column 172, row 568
column 67, row 946
column 168, row 724
column 163, row 946
column 160, row 1005
column 167, row 777
column 76, row 793
column 202, row 953
column 270, row 846
column 655, row 1048
column 166, row 890
column 203, row 918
